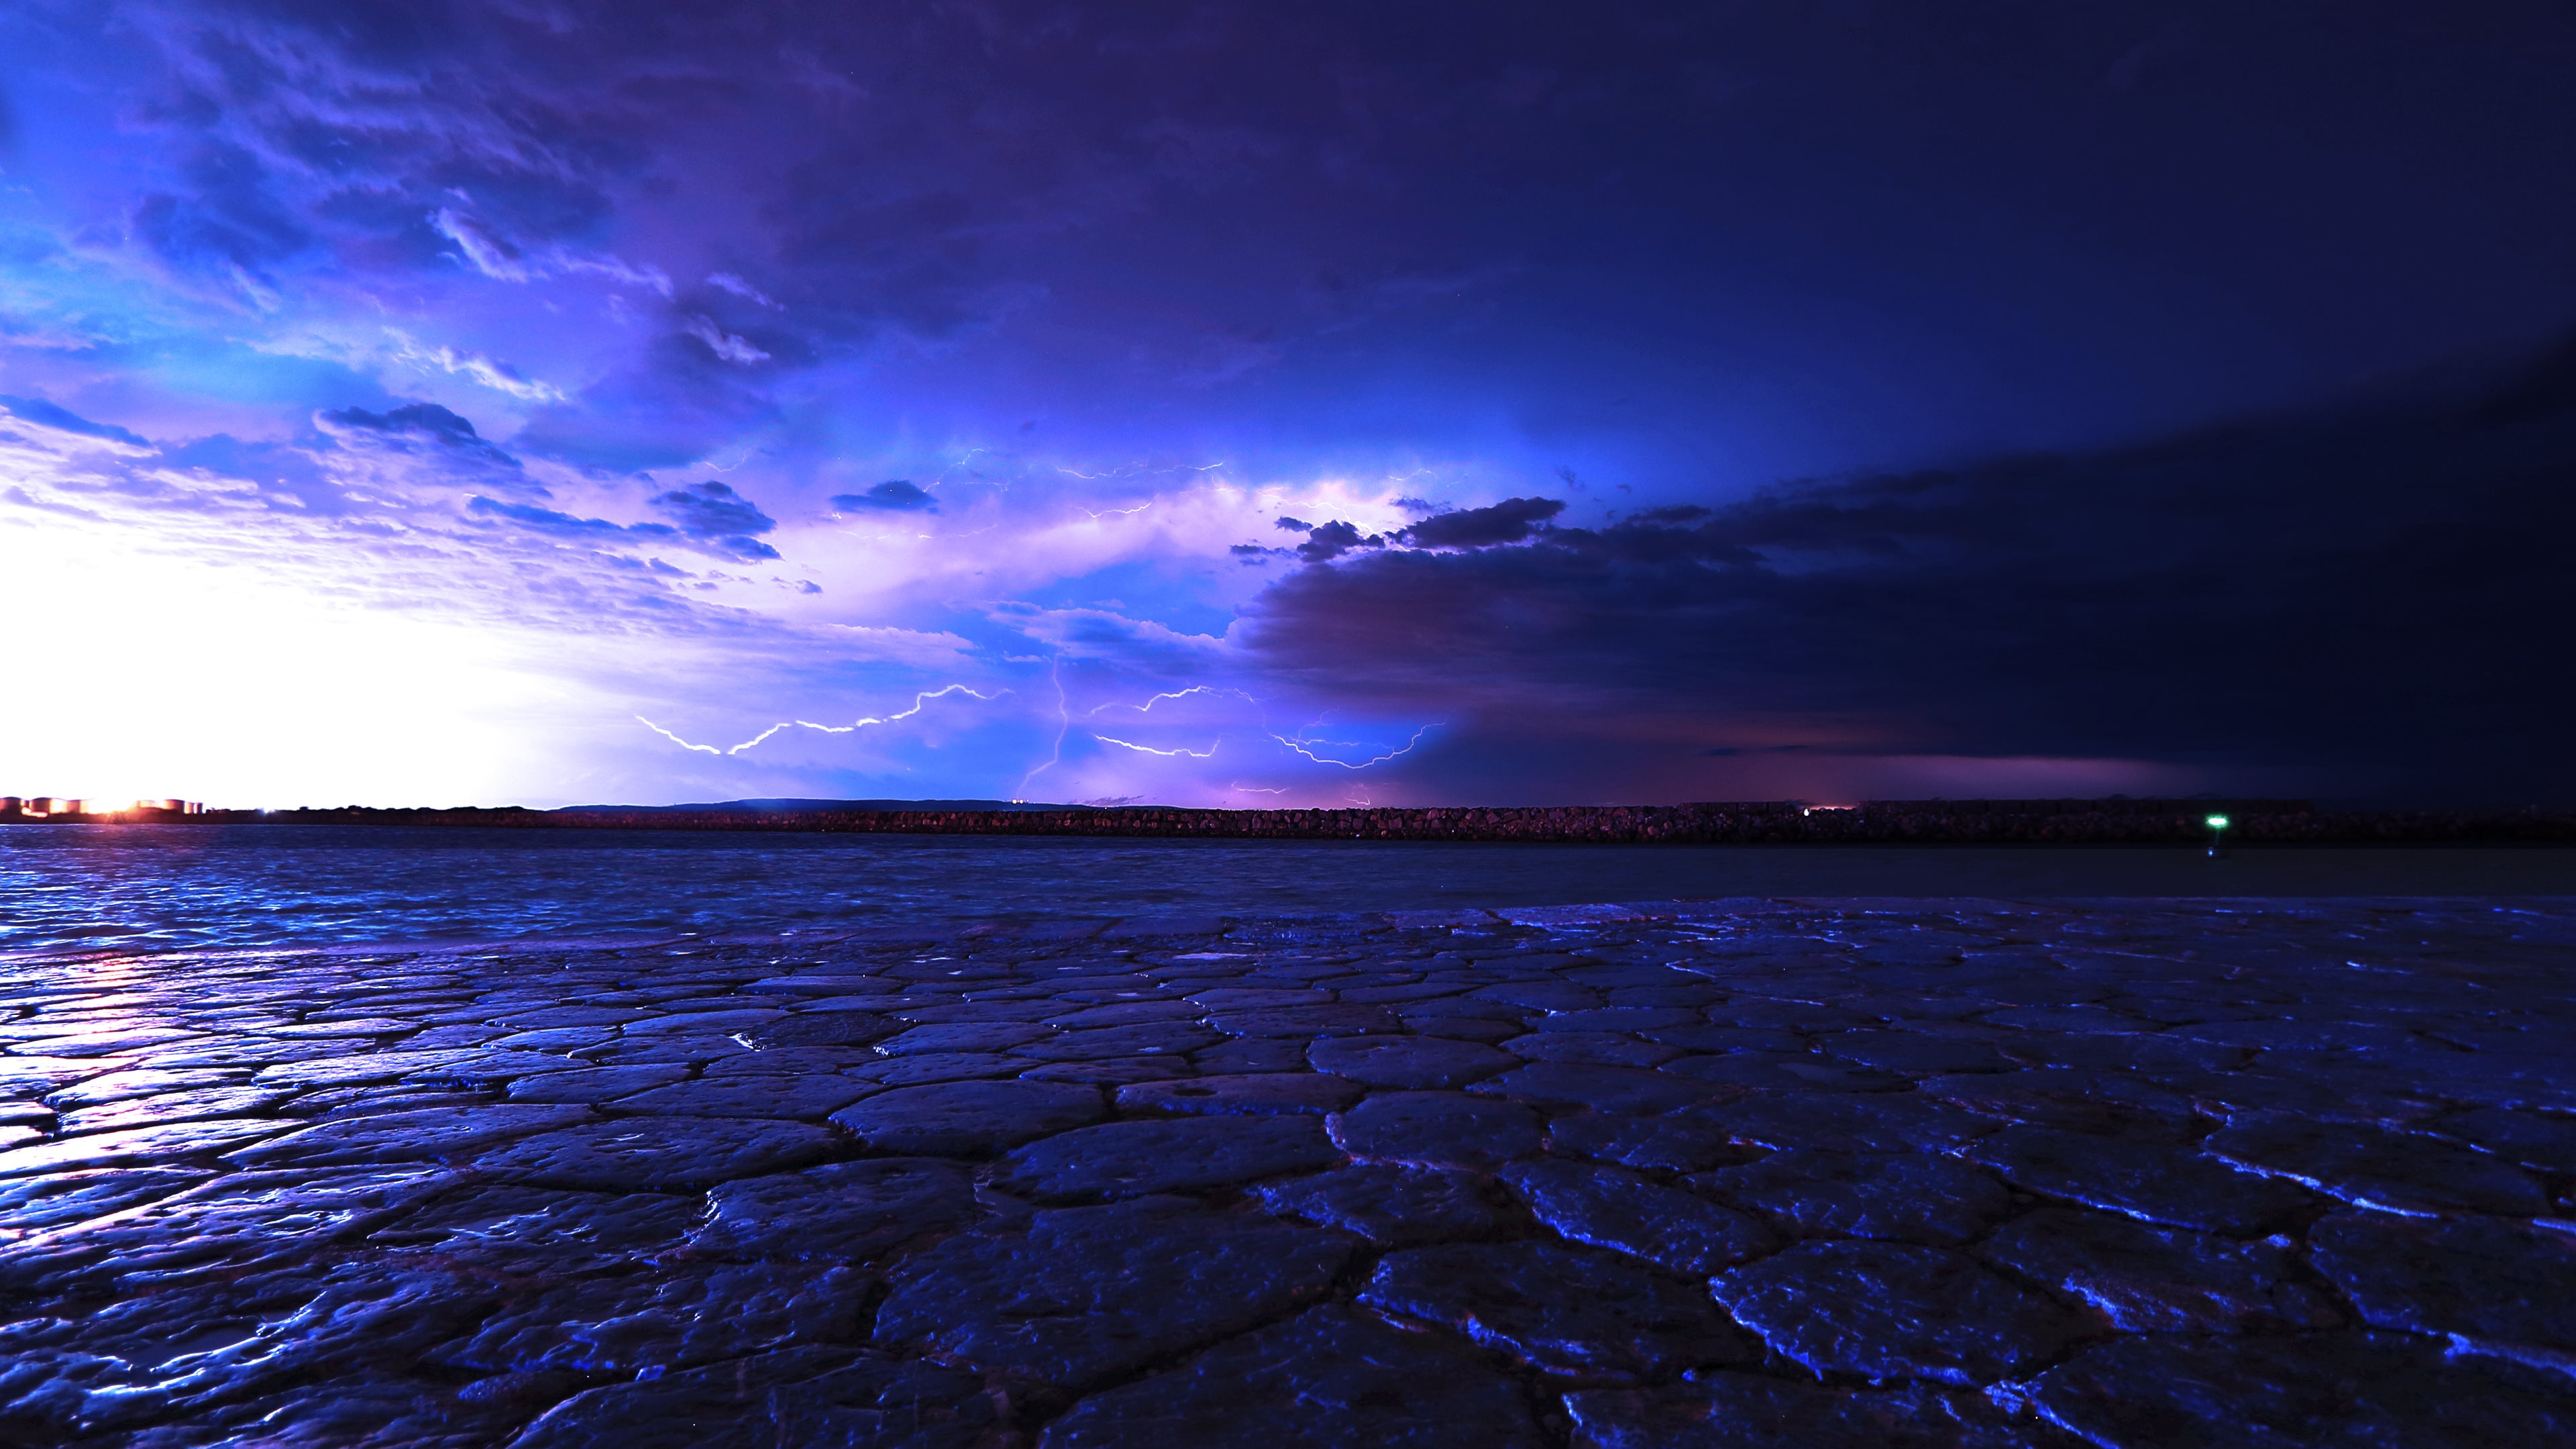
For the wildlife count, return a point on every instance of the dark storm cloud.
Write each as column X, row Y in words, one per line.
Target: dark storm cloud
column 413, row 424
column 62, row 419
column 565, row 525
column 1509, row 521
column 716, row 517
column 708, row 518
column 1508, row 220
column 2370, row 600
column 1330, row 541
column 895, row 495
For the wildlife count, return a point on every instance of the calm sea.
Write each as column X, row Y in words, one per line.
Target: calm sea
column 163, row 887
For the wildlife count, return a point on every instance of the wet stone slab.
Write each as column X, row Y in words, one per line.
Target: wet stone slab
column 1729, row 1410
column 1909, row 1173
column 1907, row 1197
column 1328, row 1376
column 1086, row 1293
column 1567, row 1310
column 1610, row 1208
column 1895, row 1311
column 2148, row 1279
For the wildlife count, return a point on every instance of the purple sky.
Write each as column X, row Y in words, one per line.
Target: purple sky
column 556, row 402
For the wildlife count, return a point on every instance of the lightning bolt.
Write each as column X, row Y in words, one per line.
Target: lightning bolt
column 1150, row 750
column 675, row 739
column 1064, row 725
column 1257, row 789
column 1300, row 746
column 919, row 702
column 1117, row 512
column 1149, row 704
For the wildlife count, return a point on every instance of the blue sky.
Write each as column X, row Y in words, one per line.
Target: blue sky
column 554, row 402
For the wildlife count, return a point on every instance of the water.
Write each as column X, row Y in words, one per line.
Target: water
column 171, row 886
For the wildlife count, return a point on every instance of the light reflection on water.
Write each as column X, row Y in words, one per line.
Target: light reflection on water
column 167, row 886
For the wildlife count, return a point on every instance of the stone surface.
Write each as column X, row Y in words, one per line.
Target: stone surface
column 2058, row 1166
column 552, row 1221
column 1256, row 1094
column 952, row 1119
column 1091, row 1292
column 30, row 1204
column 2162, row 1182
column 2537, row 1140
column 2107, row 1104
column 169, row 1142
column 183, row 1106
column 1133, row 1159
column 1394, row 1207
column 1684, row 1141
column 797, row 1396
column 1783, row 1072
column 1570, row 1310
column 435, row 1133
column 1885, row 1311
column 2148, row 1279
column 1327, row 1376
column 1563, row 1085
column 1729, row 1410
column 595, row 1084
column 632, row 1323
column 1905, row 1196
column 1872, row 1122
column 2482, row 1278
column 1418, row 1062
column 843, row 1211
column 1609, row 1208
column 1436, row 1129
column 792, row 1098
column 1914, row 1052
column 2406, row 1172
column 2319, row 1391
column 658, row 1153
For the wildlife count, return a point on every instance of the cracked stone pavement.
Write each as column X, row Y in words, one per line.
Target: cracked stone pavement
column 1819, row 1173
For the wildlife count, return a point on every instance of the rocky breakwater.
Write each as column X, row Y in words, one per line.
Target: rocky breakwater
column 1894, row 822
column 1747, row 1174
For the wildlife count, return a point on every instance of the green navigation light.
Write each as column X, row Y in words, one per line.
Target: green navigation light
column 2218, row 822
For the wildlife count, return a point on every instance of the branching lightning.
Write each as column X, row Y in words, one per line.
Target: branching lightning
column 1063, row 726
column 1302, row 746
column 919, row 702
column 675, row 739
column 1149, row 704
column 1150, row 750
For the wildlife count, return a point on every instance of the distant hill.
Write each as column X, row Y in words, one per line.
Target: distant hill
column 764, row 807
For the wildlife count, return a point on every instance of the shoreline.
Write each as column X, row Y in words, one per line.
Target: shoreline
column 1880, row 823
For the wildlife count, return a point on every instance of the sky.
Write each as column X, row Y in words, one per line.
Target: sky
column 545, row 402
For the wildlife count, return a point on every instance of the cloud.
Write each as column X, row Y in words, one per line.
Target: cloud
column 727, row 347
column 484, row 252
column 2365, row 601
column 727, row 281
column 565, row 525
column 719, row 519
column 893, row 495
column 63, row 420
column 498, row 376
column 1329, row 541
column 1509, row 521
column 412, row 424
